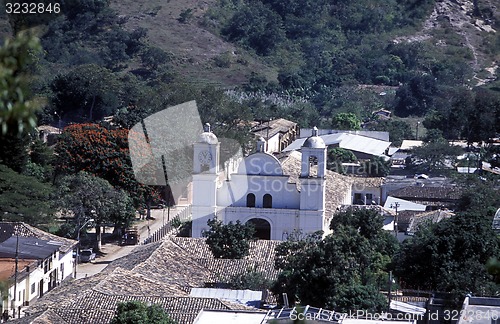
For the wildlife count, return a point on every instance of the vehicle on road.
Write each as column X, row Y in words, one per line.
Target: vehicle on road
column 131, row 236
column 87, row 255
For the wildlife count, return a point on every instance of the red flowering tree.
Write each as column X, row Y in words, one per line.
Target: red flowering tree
column 101, row 151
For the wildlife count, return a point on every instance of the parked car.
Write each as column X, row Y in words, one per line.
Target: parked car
column 87, row 255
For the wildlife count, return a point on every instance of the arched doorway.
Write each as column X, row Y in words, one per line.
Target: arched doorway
column 262, row 228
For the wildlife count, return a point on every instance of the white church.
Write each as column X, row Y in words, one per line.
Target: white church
column 258, row 190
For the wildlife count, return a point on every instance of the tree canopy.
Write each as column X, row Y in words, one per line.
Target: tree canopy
column 136, row 312
column 17, row 109
column 229, row 241
column 87, row 196
column 101, row 151
column 26, row 199
column 342, row 271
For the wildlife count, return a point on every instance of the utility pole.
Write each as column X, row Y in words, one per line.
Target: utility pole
column 395, row 205
column 15, row 273
column 78, row 245
column 390, row 291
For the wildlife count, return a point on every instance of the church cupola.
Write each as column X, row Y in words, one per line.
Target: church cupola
column 261, row 145
column 313, row 153
column 206, row 152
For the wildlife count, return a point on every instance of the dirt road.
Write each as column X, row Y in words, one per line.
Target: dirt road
column 113, row 251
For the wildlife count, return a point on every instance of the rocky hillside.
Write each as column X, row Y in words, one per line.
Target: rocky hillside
column 457, row 17
column 197, row 50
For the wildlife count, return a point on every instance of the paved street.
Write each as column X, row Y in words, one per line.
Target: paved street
column 112, row 252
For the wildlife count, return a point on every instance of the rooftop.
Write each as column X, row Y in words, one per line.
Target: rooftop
column 348, row 141
column 9, row 229
column 159, row 273
column 268, row 129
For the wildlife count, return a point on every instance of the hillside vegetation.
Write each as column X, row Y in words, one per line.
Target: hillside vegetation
column 303, row 60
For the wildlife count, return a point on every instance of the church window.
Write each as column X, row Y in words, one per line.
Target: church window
column 250, row 200
column 268, row 201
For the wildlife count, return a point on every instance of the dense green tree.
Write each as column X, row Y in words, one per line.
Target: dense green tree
column 336, row 156
column 342, row 271
column 346, row 121
column 436, row 153
column 450, row 256
column 26, row 199
column 399, row 130
column 252, row 279
column 154, row 57
column 229, row 241
column 14, row 150
column 17, row 108
column 136, row 312
column 88, row 93
column 257, row 27
column 87, row 196
column 377, row 166
column 417, row 96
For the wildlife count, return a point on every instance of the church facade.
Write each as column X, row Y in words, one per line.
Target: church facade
column 258, row 191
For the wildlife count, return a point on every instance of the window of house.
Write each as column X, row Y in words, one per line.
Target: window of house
column 357, row 199
column 33, row 288
column 250, row 200
column 267, row 201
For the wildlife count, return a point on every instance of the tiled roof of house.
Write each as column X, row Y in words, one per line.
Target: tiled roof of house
column 260, row 258
column 421, row 219
column 159, row 273
column 361, row 183
column 426, row 192
column 271, row 128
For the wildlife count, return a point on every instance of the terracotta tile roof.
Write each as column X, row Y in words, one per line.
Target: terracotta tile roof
column 47, row 317
column 140, row 254
column 260, row 258
column 428, row 217
column 268, row 130
column 173, row 266
column 8, row 266
column 260, row 250
column 426, row 192
column 95, row 307
column 367, row 182
column 124, row 282
column 160, row 273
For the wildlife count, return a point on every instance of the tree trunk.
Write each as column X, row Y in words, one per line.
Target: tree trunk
column 98, row 238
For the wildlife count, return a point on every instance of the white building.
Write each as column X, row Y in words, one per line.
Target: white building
column 43, row 261
column 259, row 191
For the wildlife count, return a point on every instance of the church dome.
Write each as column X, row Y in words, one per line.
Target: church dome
column 314, row 141
column 207, row 136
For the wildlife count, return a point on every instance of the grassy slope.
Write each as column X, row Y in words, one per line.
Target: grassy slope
column 194, row 48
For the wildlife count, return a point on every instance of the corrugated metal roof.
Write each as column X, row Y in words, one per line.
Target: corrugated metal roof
column 407, row 308
column 29, row 248
column 409, row 144
column 403, row 204
column 384, row 136
column 350, row 142
column 237, row 296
